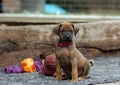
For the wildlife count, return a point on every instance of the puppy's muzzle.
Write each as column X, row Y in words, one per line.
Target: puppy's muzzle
column 66, row 37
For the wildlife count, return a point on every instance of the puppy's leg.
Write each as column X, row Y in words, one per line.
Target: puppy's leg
column 58, row 71
column 74, row 70
column 84, row 73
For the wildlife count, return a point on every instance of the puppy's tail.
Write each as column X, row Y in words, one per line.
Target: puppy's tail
column 91, row 62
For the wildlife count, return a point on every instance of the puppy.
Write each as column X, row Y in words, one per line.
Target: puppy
column 68, row 57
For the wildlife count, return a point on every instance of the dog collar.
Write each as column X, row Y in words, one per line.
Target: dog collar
column 64, row 44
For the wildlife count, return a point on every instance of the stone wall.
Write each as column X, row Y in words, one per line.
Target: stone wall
column 103, row 35
column 92, row 39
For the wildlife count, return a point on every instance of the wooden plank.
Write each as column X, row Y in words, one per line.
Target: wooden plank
column 40, row 18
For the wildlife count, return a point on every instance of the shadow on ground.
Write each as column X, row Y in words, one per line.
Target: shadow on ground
column 106, row 70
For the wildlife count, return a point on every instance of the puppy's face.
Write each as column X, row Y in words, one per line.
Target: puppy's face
column 66, row 31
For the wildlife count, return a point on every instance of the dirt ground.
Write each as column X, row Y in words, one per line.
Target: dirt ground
column 106, row 70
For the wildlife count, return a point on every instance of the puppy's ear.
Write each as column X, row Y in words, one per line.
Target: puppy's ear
column 75, row 29
column 56, row 29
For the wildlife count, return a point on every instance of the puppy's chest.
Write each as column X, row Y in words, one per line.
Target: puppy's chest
column 63, row 55
column 63, row 52
column 65, row 63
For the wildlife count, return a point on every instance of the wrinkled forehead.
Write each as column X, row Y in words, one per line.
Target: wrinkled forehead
column 66, row 26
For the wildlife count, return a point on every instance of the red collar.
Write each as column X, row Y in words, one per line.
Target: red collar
column 59, row 44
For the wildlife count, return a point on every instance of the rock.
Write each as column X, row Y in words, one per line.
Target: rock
column 16, row 57
column 27, row 36
column 7, row 46
column 102, row 35
column 90, row 52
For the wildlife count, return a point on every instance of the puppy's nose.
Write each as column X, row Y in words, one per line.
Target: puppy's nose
column 68, row 36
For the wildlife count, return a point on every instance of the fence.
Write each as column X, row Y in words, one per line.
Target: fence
column 71, row 6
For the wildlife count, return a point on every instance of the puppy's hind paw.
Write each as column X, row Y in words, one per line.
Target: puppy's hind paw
column 58, row 78
column 81, row 78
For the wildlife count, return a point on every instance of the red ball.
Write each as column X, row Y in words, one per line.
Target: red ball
column 28, row 65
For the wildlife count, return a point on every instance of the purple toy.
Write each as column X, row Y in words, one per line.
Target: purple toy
column 18, row 69
column 13, row 69
column 38, row 66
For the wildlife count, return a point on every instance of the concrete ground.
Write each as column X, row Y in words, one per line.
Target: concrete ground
column 106, row 70
column 118, row 83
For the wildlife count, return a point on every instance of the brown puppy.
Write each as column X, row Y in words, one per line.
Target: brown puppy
column 68, row 58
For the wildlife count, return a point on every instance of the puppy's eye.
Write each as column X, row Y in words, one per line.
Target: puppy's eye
column 71, row 31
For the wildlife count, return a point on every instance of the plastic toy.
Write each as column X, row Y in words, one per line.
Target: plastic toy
column 13, row 69
column 28, row 65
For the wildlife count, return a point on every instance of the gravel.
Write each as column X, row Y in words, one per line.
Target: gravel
column 105, row 70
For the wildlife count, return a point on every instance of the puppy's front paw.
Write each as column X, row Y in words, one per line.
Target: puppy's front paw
column 58, row 78
column 73, row 81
